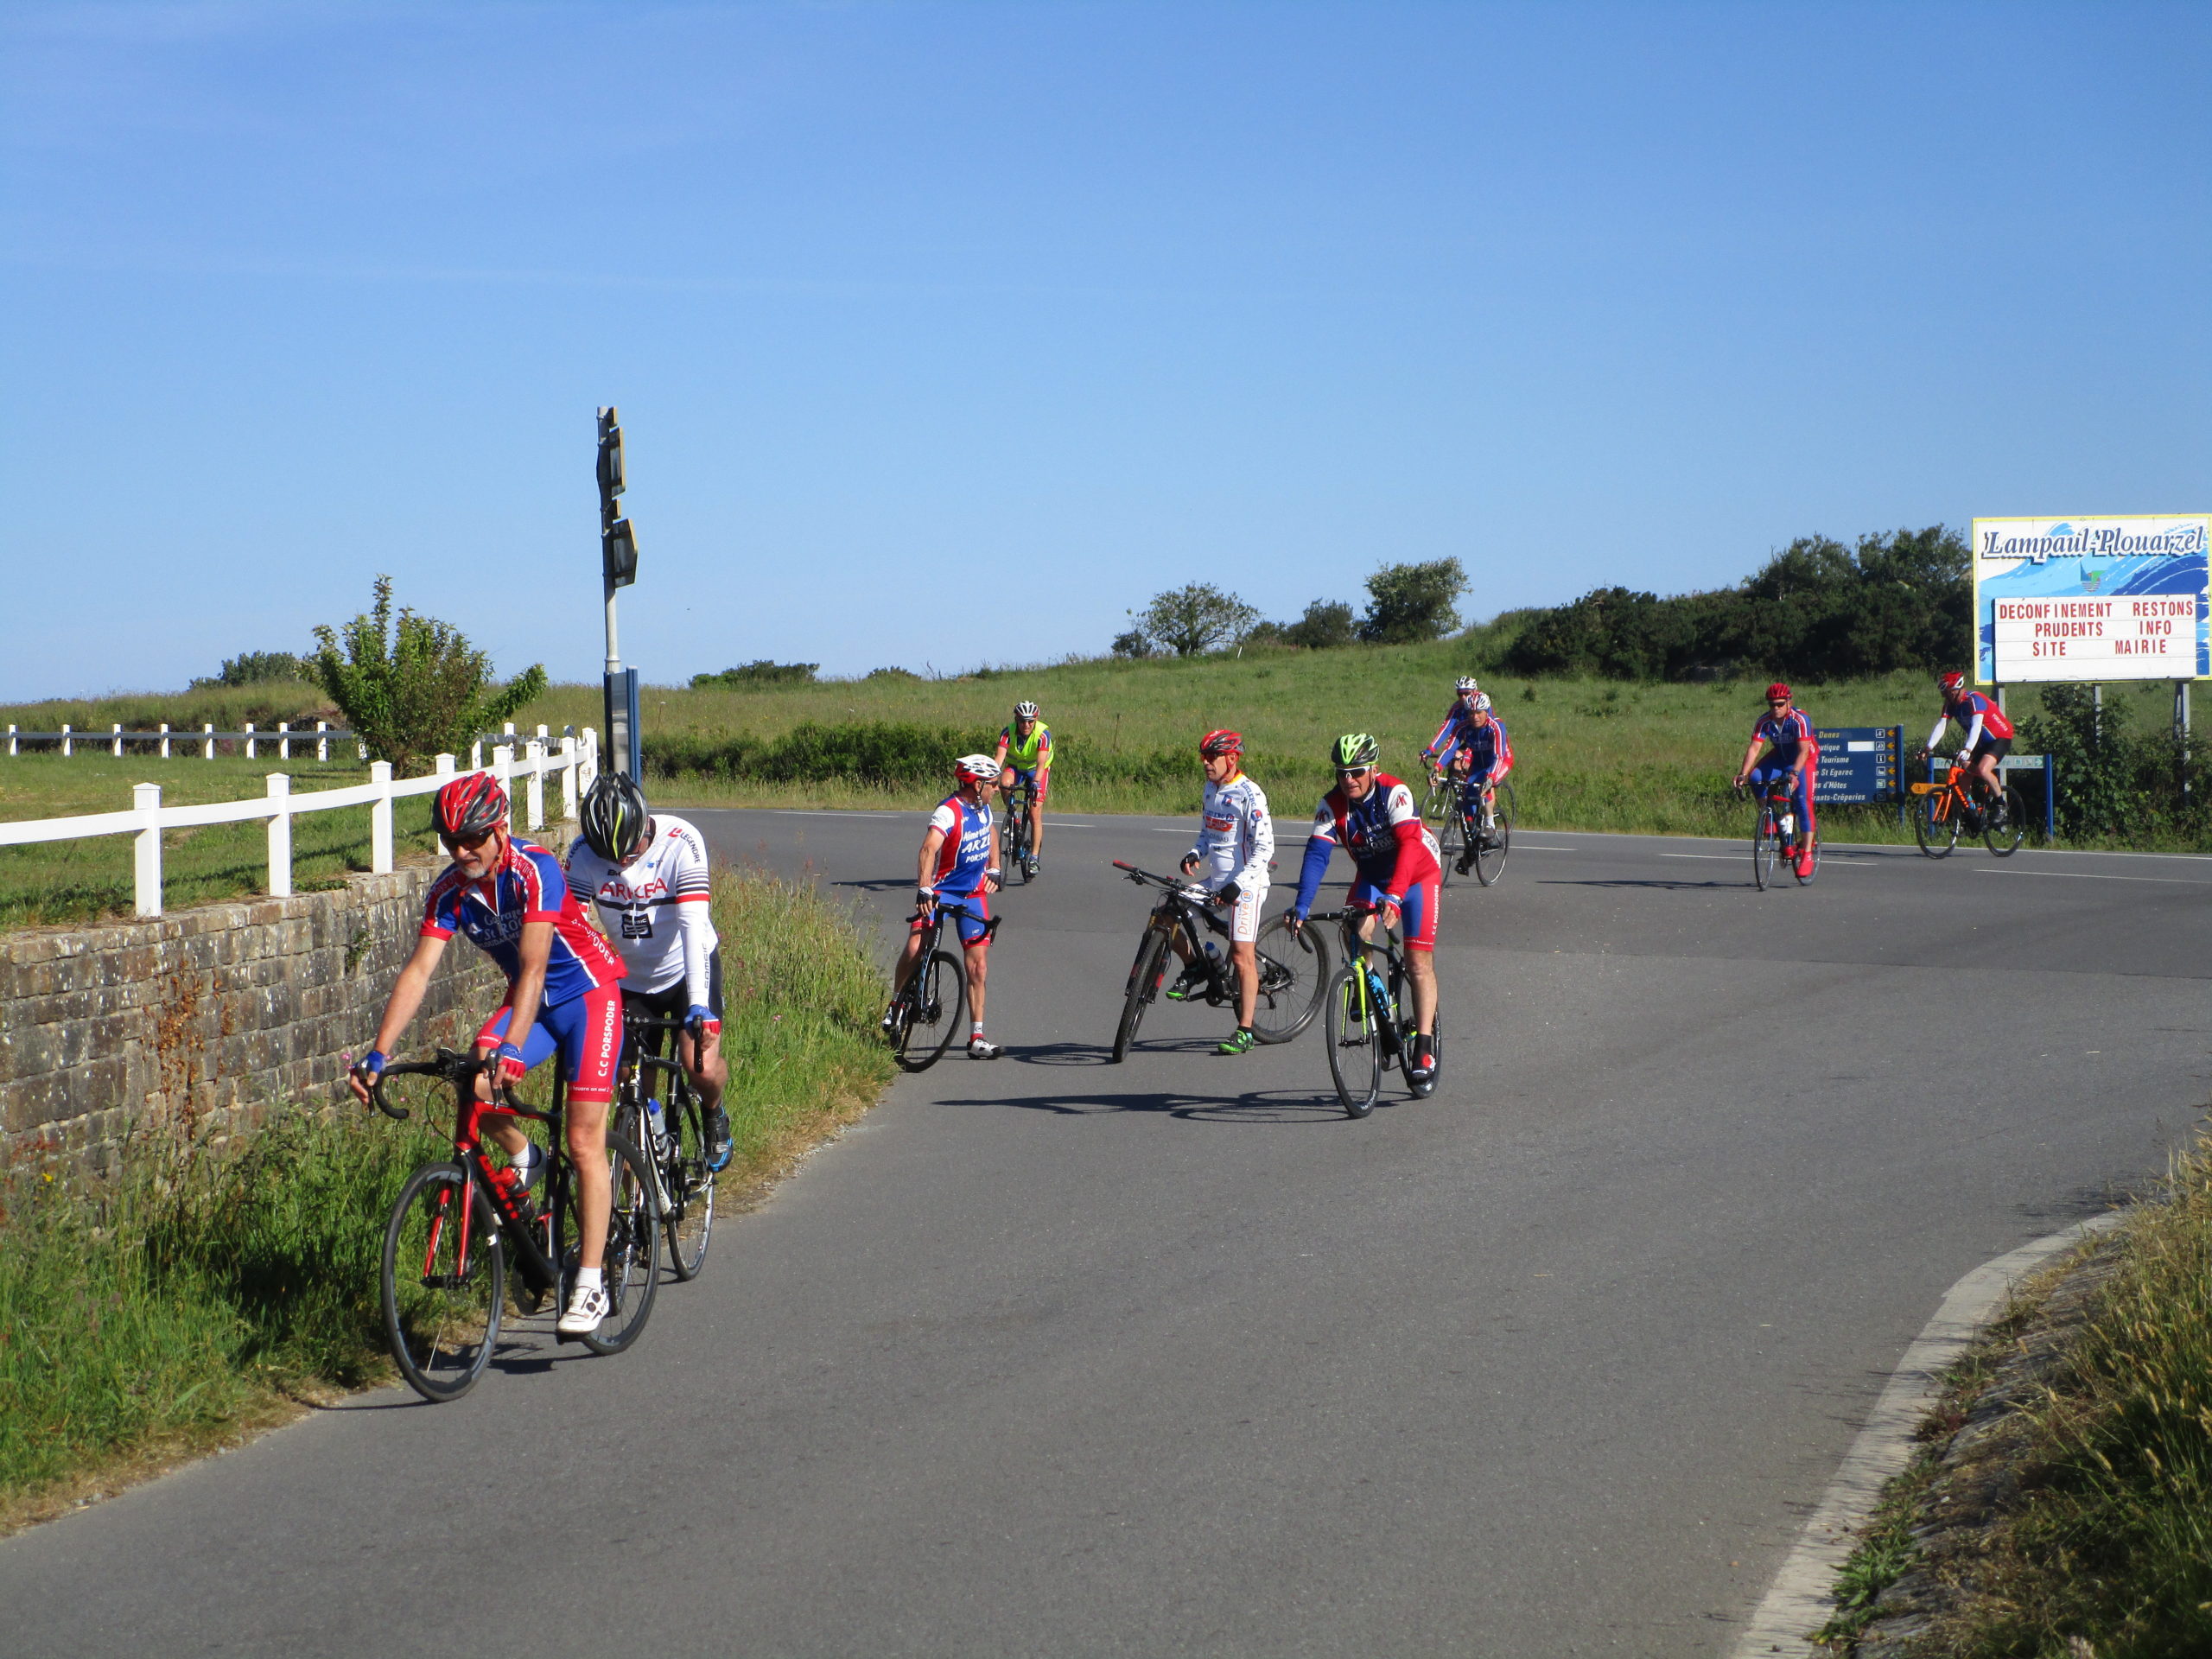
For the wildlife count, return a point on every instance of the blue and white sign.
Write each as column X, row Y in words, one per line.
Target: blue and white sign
column 2124, row 598
column 1858, row 763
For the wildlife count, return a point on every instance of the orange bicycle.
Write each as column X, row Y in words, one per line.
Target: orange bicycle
column 1941, row 812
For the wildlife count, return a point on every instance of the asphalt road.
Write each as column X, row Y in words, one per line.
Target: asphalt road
column 1054, row 1357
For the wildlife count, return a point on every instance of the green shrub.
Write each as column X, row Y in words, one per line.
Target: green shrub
column 760, row 673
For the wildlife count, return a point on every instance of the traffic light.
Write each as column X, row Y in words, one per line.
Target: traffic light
column 618, row 553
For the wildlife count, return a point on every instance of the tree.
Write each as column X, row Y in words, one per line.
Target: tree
column 414, row 687
column 758, row 673
column 255, row 668
column 1408, row 603
column 1325, row 626
column 1187, row 620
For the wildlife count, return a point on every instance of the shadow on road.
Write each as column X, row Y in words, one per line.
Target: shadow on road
column 1265, row 1107
column 1664, row 887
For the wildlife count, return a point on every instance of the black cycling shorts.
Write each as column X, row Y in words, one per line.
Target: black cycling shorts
column 1999, row 747
column 673, row 1001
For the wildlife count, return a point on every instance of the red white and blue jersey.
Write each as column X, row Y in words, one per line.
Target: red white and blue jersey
column 1978, row 717
column 966, row 851
column 1388, row 843
column 527, row 886
column 1787, row 732
column 1459, row 720
column 1488, row 749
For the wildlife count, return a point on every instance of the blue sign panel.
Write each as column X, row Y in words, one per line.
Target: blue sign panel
column 1858, row 763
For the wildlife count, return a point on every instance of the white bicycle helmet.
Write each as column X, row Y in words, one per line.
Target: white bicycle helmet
column 1464, row 684
column 1025, row 710
column 976, row 768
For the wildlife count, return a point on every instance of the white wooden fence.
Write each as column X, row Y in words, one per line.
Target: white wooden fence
column 574, row 763
column 284, row 734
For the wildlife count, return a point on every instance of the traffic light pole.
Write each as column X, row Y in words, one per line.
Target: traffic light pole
column 618, row 559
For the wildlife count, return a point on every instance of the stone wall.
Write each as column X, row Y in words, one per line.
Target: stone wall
column 208, row 1019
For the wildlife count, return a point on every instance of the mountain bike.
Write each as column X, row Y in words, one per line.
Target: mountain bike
column 925, row 1010
column 1013, row 835
column 1366, row 1024
column 1941, row 812
column 1293, row 965
column 1463, row 829
column 673, row 1138
column 444, row 1272
column 1774, row 836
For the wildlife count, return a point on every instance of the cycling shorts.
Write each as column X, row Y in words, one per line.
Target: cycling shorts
column 1034, row 782
column 1417, row 916
column 1471, row 798
column 588, row 1031
column 1999, row 747
column 674, row 1001
column 1769, row 771
column 971, row 926
column 1244, row 914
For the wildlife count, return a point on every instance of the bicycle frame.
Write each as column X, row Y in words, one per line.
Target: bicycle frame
column 1952, row 791
column 1358, row 946
column 1178, row 913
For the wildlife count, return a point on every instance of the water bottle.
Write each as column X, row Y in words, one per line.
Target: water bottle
column 656, row 1124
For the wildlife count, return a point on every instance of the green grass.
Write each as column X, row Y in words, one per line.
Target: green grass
column 189, row 1299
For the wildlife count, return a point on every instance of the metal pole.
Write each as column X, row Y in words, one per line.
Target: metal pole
column 2181, row 731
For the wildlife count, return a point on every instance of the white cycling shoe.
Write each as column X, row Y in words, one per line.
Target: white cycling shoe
column 980, row 1049
column 589, row 1307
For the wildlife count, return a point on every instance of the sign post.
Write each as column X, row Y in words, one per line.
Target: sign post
column 618, row 560
column 1859, row 763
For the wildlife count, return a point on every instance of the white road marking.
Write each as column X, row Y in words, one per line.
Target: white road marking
column 2097, row 875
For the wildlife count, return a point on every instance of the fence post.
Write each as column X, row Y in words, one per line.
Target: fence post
column 503, row 770
column 115, row 741
column 587, row 767
column 208, row 741
column 146, row 854
column 507, row 729
column 284, row 740
column 535, row 749
column 165, row 740
column 476, row 755
column 380, row 818
column 249, row 740
column 65, row 748
column 445, row 765
column 568, row 775
column 280, row 836
column 11, row 737
column 322, row 740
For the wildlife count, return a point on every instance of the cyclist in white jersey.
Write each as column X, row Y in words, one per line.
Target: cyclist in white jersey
column 1237, row 842
column 647, row 877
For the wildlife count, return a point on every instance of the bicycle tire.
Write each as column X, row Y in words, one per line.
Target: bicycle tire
column 1442, row 801
column 1935, row 824
column 1144, row 975
column 939, row 988
column 1349, row 1025
column 2003, row 843
column 1451, row 843
column 629, row 1270
column 441, row 1334
column 1288, row 961
column 1490, row 861
column 1015, row 846
column 1766, row 847
column 687, row 1216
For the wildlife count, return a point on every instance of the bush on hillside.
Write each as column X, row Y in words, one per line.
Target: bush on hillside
column 1326, row 625
column 892, row 674
column 1407, row 603
column 256, row 668
column 413, row 688
column 1188, row 620
column 753, row 675
column 1817, row 610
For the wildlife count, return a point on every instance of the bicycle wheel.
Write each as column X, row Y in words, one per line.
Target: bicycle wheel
column 1934, row 822
column 936, row 993
column 1015, row 845
column 687, row 1186
column 1766, row 847
column 1354, row 1042
column 1144, row 975
column 1293, row 976
column 2004, row 841
column 1489, row 860
column 629, row 1269
column 442, row 1289
column 1451, row 843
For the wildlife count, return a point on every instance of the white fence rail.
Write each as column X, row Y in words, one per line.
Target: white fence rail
column 574, row 763
column 167, row 742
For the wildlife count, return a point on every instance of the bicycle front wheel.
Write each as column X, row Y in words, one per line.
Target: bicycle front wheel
column 1144, row 975
column 1934, row 822
column 1293, row 976
column 2003, row 841
column 629, row 1269
column 1355, row 1041
column 1490, row 854
column 1452, row 841
column 938, row 990
column 688, row 1187
column 442, row 1277
column 1766, row 848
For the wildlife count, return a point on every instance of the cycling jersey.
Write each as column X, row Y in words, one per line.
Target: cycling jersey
column 1458, row 720
column 1390, row 845
column 1788, row 733
column 1029, row 754
column 655, row 908
column 527, row 886
column 1236, row 838
column 1489, row 751
column 1978, row 717
column 966, row 852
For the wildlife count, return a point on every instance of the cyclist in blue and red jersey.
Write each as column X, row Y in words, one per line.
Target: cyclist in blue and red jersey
column 1473, row 743
column 1792, row 753
column 1373, row 816
column 959, row 865
column 1986, row 736
column 512, row 900
column 1465, row 694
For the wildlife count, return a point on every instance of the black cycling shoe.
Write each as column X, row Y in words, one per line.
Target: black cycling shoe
column 718, row 1140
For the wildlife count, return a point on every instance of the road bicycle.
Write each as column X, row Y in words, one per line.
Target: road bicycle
column 1294, row 963
column 657, row 1111
column 1774, row 836
column 1014, row 838
column 1366, row 1024
column 1942, row 811
column 1462, row 829
column 444, row 1272
column 925, row 1010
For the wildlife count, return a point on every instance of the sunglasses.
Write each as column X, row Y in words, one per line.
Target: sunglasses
column 466, row 843
column 1353, row 771
column 1777, row 703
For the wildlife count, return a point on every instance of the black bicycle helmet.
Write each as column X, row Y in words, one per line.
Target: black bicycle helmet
column 470, row 805
column 1354, row 749
column 614, row 817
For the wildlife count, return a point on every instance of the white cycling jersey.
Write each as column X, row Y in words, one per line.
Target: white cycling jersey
column 654, row 908
column 1236, row 838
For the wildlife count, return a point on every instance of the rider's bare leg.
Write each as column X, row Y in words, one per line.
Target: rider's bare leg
column 1421, row 967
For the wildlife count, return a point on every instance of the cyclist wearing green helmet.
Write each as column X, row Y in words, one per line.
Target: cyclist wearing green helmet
column 1372, row 816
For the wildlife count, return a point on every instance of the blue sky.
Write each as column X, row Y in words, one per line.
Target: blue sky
column 945, row 334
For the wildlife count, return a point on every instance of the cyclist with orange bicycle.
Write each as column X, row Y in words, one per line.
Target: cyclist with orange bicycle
column 1793, row 755
column 513, row 901
column 1985, row 738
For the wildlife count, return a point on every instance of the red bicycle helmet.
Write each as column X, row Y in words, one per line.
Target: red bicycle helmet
column 1778, row 690
column 1221, row 741
column 1951, row 680
column 469, row 805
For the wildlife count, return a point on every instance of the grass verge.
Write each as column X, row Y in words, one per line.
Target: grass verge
column 210, row 1292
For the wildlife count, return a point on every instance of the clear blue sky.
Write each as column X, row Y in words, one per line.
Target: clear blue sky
column 946, row 333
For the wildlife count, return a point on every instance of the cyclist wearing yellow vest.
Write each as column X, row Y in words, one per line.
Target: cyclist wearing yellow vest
column 1025, row 755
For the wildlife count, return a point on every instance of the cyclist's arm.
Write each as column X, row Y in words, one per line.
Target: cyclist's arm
column 533, row 950
column 407, row 991
column 1320, row 841
column 1254, row 875
column 1935, row 733
column 925, row 866
column 1973, row 735
column 992, row 870
column 1750, row 758
column 695, row 920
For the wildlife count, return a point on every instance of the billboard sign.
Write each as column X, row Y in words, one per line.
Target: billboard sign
column 2116, row 598
column 1858, row 763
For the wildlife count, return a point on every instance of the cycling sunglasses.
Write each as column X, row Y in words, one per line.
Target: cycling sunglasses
column 1353, row 771
column 465, row 843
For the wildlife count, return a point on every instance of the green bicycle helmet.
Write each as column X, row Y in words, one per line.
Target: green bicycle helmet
column 1355, row 749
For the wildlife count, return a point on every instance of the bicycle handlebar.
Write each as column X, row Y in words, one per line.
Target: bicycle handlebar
column 450, row 1067
column 1186, row 889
